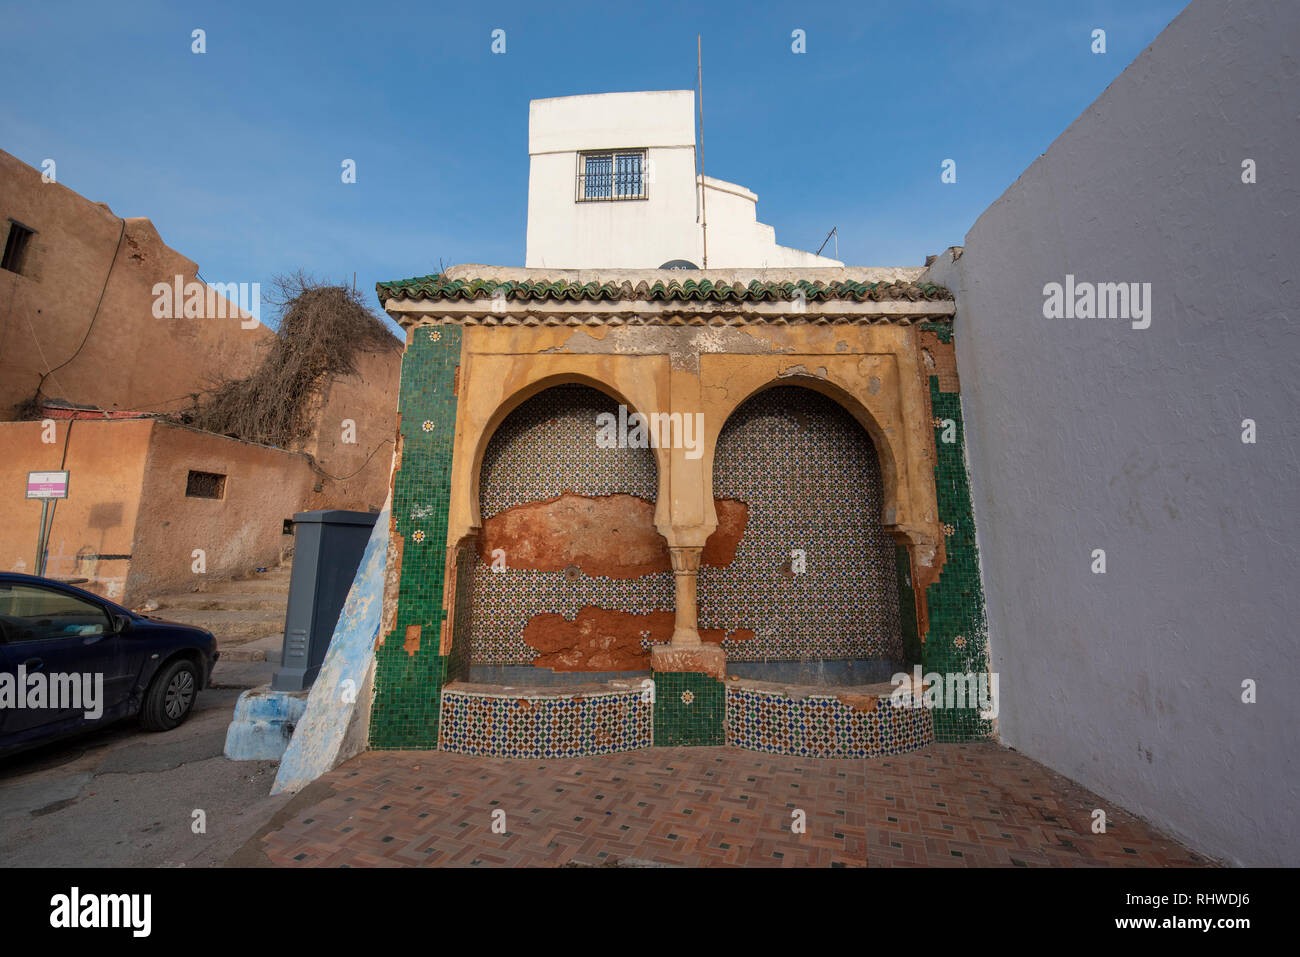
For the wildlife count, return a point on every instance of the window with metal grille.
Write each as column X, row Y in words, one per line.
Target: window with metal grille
column 205, row 485
column 611, row 175
column 16, row 246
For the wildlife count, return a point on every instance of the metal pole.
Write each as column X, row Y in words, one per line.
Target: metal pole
column 828, row 239
column 40, row 538
column 704, row 213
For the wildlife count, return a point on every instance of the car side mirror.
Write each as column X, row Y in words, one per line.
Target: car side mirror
column 120, row 624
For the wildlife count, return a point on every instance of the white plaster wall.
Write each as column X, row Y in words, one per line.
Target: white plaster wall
column 1088, row 434
column 623, row 234
column 597, row 121
column 637, row 234
column 738, row 240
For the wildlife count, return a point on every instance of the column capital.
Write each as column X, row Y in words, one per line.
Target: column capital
column 685, row 558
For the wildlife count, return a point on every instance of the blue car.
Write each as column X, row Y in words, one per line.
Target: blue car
column 72, row 662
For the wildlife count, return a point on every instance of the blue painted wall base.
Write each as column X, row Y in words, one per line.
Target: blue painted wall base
column 338, row 707
column 263, row 724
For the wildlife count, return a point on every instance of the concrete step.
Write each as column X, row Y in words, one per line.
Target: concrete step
column 267, row 584
column 266, row 648
column 228, row 601
column 237, row 625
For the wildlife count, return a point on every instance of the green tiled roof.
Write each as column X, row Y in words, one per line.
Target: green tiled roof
column 439, row 287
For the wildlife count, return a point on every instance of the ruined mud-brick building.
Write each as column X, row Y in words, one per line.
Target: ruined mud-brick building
column 798, row 528
column 87, row 361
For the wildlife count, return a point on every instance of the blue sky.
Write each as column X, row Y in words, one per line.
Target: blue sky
column 235, row 154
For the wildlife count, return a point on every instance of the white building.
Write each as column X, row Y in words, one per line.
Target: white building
column 612, row 183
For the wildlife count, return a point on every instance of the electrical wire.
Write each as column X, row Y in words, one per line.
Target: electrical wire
column 316, row 467
column 103, row 289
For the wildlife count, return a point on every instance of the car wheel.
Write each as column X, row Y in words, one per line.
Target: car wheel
column 170, row 697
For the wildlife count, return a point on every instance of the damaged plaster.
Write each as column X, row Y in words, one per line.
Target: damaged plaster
column 599, row 639
column 682, row 344
column 610, row 536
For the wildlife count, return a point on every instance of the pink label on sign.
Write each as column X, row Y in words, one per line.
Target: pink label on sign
column 47, row 484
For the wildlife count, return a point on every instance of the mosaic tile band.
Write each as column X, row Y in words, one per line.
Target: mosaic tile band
column 555, row 726
column 687, row 709
column 823, row 726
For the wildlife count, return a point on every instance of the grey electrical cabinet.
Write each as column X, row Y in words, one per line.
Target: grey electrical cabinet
column 328, row 546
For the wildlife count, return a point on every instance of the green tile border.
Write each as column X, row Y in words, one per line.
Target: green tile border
column 408, row 686
column 690, row 708
column 957, row 639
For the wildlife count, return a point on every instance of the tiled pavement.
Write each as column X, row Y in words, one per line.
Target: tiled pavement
column 947, row 805
column 983, row 805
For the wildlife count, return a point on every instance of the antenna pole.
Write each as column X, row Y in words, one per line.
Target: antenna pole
column 828, row 239
column 699, row 152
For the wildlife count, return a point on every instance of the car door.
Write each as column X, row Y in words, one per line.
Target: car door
column 55, row 640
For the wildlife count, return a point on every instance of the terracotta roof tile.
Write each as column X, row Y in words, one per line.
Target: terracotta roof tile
column 439, row 287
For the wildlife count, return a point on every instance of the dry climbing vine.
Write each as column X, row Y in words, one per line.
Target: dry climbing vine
column 322, row 328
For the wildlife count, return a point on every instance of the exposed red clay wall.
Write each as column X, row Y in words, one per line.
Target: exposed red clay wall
column 156, row 364
column 127, row 524
column 602, row 640
column 610, row 536
column 571, row 572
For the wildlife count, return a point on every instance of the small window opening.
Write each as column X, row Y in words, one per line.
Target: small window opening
column 205, row 485
column 16, row 244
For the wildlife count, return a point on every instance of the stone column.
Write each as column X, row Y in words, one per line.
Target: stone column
column 686, row 570
column 686, row 652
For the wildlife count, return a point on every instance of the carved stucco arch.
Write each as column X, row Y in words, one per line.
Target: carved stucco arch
column 534, row 382
column 887, row 447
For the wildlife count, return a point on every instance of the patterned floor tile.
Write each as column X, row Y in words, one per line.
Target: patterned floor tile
column 946, row 805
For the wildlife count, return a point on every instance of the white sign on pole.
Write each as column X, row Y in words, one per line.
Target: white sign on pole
column 47, row 484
